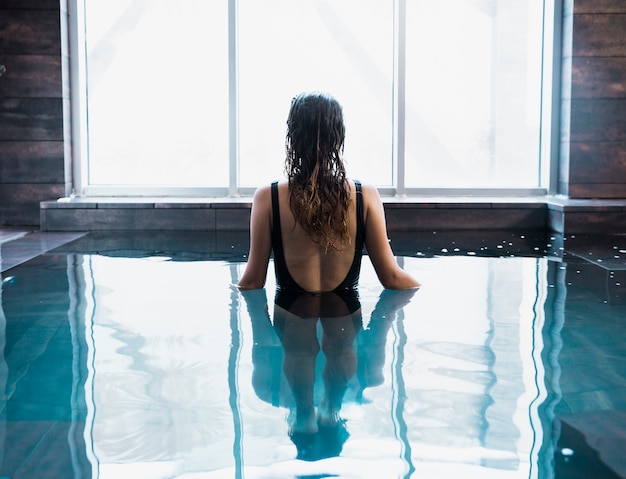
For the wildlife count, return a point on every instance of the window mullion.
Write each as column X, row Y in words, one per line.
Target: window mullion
column 399, row 95
column 233, row 94
column 551, row 96
column 78, row 95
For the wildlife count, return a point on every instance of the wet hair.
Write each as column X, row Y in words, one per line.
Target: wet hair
column 319, row 194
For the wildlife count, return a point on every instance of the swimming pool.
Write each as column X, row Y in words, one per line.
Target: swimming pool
column 131, row 356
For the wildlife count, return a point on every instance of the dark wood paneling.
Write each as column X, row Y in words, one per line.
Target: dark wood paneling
column 599, row 35
column 31, row 162
column 20, row 202
column 33, row 32
column 599, row 77
column 598, row 121
column 31, row 119
column 598, row 162
column 599, row 6
column 33, row 76
column 31, row 109
column 30, row 4
column 599, row 191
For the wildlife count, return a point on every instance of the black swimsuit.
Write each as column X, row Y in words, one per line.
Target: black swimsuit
column 284, row 280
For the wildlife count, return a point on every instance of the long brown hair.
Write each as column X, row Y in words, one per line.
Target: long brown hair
column 319, row 194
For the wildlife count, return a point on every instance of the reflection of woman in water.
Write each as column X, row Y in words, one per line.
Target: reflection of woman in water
column 319, row 433
column 316, row 427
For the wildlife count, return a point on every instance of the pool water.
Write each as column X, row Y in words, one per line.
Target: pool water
column 135, row 362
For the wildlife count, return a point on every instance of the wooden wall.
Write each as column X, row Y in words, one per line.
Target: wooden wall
column 32, row 165
column 594, row 99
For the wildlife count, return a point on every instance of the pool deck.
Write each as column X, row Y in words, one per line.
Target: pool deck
column 20, row 245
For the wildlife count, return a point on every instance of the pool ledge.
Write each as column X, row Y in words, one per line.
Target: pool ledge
column 554, row 213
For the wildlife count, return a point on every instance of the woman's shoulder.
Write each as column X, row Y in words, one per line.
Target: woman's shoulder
column 369, row 191
column 262, row 196
column 266, row 189
column 262, row 191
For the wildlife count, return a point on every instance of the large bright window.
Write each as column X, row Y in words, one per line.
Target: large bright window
column 191, row 97
column 473, row 93
column 157, row 92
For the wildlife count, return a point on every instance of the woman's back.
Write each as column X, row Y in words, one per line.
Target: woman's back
column 312, row 266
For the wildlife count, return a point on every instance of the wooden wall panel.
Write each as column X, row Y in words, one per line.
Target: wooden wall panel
column 20, row 202
column 30, row 4
column 599, row 35
column 599, row 77
column 32, row 32
column 600, row 120
column 31, row 76
column 598, row 170
column 31, row 119
column 597, row 150
column 31, row 162
column 598, row 162
column 598, row 191
column 599, row 6
column 596, row 122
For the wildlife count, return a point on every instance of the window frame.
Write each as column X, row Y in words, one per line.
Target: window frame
column 549, row 142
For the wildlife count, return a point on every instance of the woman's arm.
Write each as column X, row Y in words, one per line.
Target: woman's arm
column 378, row 249
column 260, row 241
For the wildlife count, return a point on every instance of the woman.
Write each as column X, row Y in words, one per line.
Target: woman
column 317, row 221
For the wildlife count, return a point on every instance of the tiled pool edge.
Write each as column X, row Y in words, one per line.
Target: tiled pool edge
column 561, row 215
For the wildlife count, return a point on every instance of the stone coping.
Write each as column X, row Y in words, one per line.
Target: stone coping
column 553, row 213
column 551, row 202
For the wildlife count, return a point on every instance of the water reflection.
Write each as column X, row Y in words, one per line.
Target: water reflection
column 165, row 371
column 126, row 367
column 305, row 325
column 4, row 372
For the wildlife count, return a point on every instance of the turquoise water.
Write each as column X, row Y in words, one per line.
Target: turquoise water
column 148, row 364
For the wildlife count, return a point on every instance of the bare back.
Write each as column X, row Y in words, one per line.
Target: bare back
column 309, row 265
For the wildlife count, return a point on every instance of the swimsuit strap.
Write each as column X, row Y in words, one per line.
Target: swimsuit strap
column 276, row 237
column 360, row 229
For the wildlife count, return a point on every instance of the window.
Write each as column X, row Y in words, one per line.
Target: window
column 191, row 97
column 473, row 94
column 157, row 92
